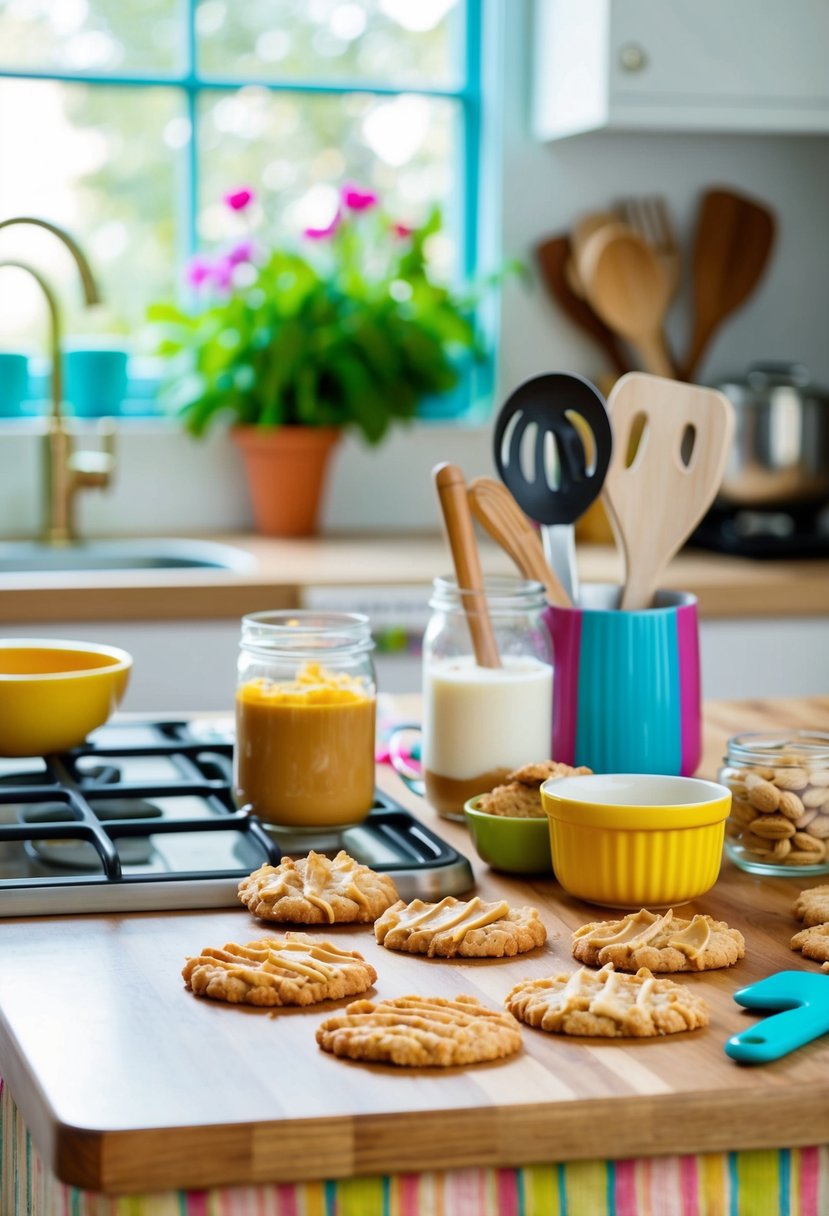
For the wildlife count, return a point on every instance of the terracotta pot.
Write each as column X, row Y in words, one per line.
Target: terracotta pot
column 286, row 469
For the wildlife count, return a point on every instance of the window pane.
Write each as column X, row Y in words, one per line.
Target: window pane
column 107, row 36
column 100, row 162
column 401, row 42
column 297, row 149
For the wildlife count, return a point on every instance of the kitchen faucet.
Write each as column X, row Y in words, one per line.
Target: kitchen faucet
column 65, row 470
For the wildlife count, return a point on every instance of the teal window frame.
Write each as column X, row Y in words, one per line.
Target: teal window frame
column 467, row 92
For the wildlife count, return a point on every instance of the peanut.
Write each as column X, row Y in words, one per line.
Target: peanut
column 808, row 844
column 819, row 777
column 743, row 812
column 756, row 845
column 799, row 857
column 772, row 827
column 739, row 789
column 819, row 827
column 805, row 819
column 782, row 848
column 764, row 796
column 790, row 778
column 790, row 805
column 755, row 776
column 817, row 796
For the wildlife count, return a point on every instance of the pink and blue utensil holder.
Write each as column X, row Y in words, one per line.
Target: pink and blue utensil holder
column 626, row 688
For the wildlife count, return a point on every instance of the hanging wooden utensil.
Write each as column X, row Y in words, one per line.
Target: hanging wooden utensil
column 553, row 257
column 498, row 512
column 451, row 488
column 670, row 447
column 627, row 288
column 732, row 246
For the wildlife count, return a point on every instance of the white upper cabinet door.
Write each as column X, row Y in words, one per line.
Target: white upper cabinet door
column 694, row 65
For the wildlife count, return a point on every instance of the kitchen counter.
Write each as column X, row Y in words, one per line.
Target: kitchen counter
column 727, row 587
column 129, row 1083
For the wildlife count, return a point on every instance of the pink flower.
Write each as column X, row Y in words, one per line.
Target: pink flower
column 221, row 275
column 242, row 251
column 238, row 200
column 356, row 199
column 198, row 270
column 322, row 234
column 402, row 230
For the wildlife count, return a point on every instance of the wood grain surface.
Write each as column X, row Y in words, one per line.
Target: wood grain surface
column 726, row 586
column 130, row 1083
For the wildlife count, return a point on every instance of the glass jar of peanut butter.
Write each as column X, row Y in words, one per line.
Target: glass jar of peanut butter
column 305, row 719
column 479, row 723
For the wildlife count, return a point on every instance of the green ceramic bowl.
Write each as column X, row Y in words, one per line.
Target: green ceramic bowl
column 517, row 846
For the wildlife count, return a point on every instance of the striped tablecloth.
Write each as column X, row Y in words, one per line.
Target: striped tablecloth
column 782, row 1183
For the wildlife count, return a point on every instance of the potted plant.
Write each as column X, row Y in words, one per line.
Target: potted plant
column 346, row 330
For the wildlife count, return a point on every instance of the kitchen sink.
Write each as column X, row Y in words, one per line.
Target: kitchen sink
column 29, row 557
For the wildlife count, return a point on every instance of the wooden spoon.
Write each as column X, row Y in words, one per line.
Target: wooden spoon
column 658, row 488
column 451, row 488
column 580, row 233
column 553, row 257
column 628, row 289
column 498, row 512
column 732, row 245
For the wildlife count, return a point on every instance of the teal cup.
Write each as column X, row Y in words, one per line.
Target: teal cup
column 95, row 381
column 14, row 383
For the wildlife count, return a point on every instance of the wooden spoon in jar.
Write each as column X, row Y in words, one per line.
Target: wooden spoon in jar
column 497, row 511
column 451, row 488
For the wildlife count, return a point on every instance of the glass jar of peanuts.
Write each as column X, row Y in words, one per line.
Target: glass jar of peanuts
column 779, row 821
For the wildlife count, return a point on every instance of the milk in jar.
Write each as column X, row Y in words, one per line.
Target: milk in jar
column 479, row 723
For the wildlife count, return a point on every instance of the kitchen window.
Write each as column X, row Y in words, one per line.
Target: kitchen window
column 127, row 120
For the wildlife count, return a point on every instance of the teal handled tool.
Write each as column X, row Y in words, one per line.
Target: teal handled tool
column 803, row 996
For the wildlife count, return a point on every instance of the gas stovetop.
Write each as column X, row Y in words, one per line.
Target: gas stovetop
column 142, row 818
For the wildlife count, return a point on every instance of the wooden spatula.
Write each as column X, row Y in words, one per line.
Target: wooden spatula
column 451, row 488
column 658, row 489
column 498, row 512
column 732, row 245
column 628, row 289
column 553, row 256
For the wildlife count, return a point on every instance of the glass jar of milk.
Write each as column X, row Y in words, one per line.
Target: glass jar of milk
column 479, row 723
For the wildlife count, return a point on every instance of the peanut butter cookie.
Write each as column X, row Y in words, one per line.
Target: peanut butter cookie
column 295, row 969
column 420, row 1031
column 520, row 796
column 317, row 891
column 812, row 906
column 607, row 1004
column 660, row 943
column 471, row 929
column 813, row 943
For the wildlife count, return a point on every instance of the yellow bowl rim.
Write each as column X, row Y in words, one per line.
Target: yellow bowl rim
column 475, row 812
column 122, row 659
column 622, row 816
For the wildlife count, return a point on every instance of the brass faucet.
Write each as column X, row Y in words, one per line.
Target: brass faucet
column 65, row 470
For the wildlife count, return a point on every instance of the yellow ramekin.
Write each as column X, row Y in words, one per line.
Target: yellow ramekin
column 633, row 840
column 53, row 693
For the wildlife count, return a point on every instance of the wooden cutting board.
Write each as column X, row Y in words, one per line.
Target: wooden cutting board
column 130, row 1084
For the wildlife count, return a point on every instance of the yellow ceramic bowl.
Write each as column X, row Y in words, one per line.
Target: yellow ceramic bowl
column 636, row 840
column 52, row 694
column 514, row 845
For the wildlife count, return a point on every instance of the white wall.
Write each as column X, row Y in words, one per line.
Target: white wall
column 167, row 483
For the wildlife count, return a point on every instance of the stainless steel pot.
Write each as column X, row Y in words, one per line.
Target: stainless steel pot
column 780, row 454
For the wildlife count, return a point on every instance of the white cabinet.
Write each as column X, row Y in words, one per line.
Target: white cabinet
column 682, row 65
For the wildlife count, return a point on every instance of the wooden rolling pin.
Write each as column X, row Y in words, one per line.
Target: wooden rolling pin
column 451, row 488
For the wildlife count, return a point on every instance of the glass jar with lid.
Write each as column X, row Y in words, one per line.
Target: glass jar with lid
column 305, row 719
column 479, row 723
column 779, row 821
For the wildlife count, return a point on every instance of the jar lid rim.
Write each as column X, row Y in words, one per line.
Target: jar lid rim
column 762, row 746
